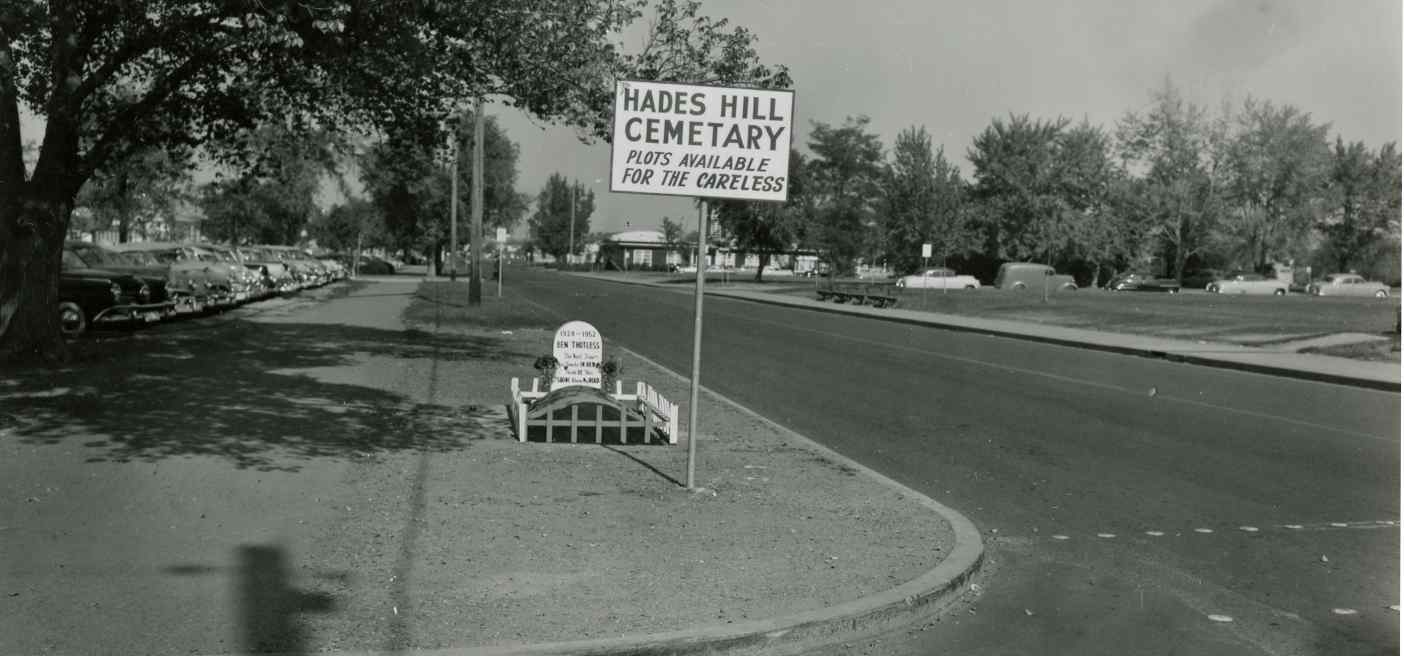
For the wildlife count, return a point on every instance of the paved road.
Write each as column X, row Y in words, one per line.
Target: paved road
column 1126, row 500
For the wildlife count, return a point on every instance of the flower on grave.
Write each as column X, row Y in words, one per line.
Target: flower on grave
column 610, row 371
column 547, row 365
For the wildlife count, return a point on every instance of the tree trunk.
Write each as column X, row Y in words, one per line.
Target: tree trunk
column 124, row 209
column 764, row 260
column 31, row 254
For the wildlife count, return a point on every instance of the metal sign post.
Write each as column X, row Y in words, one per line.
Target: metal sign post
column 925, row 272
column 692, row 140
column 696, row 351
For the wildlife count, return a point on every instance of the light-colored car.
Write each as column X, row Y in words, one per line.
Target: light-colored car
column 1247, row 283
column 938, row 278
column 1348, row 284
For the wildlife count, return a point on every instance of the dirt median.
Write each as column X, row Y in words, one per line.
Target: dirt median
column 527, row 543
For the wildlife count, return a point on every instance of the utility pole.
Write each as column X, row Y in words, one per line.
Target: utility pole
column 453, row 208
column 573, row 187
column 475, row 277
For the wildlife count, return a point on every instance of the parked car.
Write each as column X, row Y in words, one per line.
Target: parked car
column 1247, row 283
column 308, row 271
column 938, row 278
column 1348, row 284
column 215, row 284
column 1030, row 275
column 1140, row 282
column 259, row 283
column 156, row 276
column 91, row 297
column 272, row 269
column 1200, row 278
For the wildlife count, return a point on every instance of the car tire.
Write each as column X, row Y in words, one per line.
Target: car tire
column 1069, row 287
column 1212, row 289
column 970, row 286
column 1172, row 290
column 1018, row 286
column 1279, row 292
column 73, row 321
column 1382, row 294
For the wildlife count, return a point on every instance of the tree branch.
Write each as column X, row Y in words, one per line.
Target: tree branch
column 164, row 87
column 141, row 44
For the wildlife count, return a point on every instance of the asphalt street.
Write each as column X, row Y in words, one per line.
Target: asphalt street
column 1129, row 505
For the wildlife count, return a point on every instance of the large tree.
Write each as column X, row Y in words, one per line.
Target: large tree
column 133, row 192
column 555, row 226
column 1018, row 187
column 1178, row 150
column 112, row 78
column 844, row 190
column 272, row 199
column 923, row 202
column 1278, row 170
column 1364, row 194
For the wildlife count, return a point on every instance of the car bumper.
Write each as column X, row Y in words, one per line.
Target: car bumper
column 139, row 314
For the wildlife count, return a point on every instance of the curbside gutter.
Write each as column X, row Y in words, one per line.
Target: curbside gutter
column 1288, row 365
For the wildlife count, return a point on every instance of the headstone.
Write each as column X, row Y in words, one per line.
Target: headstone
column 579, row 352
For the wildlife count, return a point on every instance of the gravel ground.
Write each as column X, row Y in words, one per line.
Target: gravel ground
column 499, row 543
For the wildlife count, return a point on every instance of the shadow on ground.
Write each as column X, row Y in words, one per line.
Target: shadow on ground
column 221, row 393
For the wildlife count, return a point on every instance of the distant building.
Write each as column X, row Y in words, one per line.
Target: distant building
column 641, row 249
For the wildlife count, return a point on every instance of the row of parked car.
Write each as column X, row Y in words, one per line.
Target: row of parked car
column 141, row 283
column 1026, row 275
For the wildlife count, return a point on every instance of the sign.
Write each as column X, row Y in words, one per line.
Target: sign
column 501, row 236
column 579, row 352
column 926, row 250
column 695, row 140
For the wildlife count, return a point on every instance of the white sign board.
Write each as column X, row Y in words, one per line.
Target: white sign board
column 579, row 352
column 926, row 250
column 501, row 235
column 696, row 140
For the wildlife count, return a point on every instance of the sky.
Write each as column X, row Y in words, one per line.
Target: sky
column 953, row 65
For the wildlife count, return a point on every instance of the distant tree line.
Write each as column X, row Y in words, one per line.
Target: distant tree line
column 1171, row 188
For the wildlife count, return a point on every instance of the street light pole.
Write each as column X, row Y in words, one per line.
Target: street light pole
column 475, row 277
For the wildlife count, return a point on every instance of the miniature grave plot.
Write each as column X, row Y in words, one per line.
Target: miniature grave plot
column 576, row 404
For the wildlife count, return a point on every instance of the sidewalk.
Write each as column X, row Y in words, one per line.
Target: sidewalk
column 1265, row 360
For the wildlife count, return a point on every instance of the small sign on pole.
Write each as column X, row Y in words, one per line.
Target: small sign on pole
column 925, row 250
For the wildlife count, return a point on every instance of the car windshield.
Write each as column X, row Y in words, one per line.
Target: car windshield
column 146, row 258
column 94, row 256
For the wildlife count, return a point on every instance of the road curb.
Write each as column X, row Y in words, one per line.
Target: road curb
column 1154, row 353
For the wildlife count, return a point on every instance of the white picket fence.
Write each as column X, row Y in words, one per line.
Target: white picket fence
column 644, row 399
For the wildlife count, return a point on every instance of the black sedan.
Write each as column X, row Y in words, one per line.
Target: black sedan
column 1138, row 282
column 90, row 297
